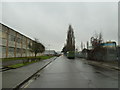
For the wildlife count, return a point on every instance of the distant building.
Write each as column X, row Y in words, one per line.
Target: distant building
column 49, row 52
column 82, row 54
column 13, row 43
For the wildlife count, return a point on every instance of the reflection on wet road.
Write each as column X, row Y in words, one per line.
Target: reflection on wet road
column 75, row 73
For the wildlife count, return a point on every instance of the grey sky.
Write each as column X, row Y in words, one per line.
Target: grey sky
column 49, row 21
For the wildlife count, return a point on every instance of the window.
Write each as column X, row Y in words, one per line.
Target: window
column 0, row 49
column 4, row 35
column 18, row 40
column 18, row 50
column 11, row 38
column 24, row 41
column 3, row 49
column 11, row 49
column 4, row 32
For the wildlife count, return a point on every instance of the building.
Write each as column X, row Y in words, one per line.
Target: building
column 49, row 52
column 13, row 43
column 108, row 51
column 111, row 50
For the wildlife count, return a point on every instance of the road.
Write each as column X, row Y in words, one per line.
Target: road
column 14, row 77
column 75, row 73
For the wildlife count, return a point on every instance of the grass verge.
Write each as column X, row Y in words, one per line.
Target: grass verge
column 22, row 58
column 27, row 63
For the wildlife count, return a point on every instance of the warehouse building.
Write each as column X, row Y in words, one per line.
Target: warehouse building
column 13, row 43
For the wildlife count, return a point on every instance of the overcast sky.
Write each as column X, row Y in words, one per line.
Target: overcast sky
column 49, row 21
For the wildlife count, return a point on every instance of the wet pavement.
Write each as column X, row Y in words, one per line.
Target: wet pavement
column 75, row 73
column 14, row 77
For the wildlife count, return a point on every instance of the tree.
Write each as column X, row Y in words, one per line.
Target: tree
column 96, row 40
column 37, row 47
column 64, row 50
column 98, row 51
column 70, row 42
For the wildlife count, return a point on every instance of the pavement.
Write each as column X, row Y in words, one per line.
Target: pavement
column 75, row 73
column 13, row 77
column 108, row 64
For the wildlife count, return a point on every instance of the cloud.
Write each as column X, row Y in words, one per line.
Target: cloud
column 49, row 21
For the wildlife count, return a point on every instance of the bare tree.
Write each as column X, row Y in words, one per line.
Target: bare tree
column 37, row 47
column 98, row 51
column 96, row 40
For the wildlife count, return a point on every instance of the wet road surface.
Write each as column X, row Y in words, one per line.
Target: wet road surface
column 14, row 77
column 75, row 73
